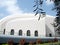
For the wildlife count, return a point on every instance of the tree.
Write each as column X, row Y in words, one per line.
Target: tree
column 57, row 8
column 38, row 8
column 57, row 19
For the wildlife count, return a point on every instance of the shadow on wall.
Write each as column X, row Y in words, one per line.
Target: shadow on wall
column 49, row 33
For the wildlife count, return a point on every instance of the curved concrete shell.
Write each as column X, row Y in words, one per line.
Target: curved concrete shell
column 23, row 23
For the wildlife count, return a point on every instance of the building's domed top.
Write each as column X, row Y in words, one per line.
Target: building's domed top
column 24, row 16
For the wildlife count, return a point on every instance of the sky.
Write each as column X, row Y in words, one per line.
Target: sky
column 18, row 7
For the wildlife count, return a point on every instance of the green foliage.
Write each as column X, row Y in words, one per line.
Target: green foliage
column 4, row 44
column 57, row 8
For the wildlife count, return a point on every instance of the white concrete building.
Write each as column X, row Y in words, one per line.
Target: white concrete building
column 27, row 25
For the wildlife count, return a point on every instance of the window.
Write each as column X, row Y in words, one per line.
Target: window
column 50, row 35
column 36, row 33
column 58, row 31
column 20, row 32
column 28, row 32
column 12, row 32
column 4, row 31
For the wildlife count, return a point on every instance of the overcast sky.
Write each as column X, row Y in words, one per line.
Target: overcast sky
column 17, row 7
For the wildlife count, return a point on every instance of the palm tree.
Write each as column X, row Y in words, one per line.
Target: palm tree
column 38, row 6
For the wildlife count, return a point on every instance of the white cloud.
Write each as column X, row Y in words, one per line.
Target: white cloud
column 11, row 6
column 48, row 2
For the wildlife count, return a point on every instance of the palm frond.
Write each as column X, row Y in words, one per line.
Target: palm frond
column 35, row 9
column 41, row 2
column 43, row 13
column 34, row 6
column 39, row 16
column 36, row 13
column 41, row 9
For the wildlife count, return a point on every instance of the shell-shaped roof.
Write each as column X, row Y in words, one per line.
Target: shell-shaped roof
column 10, row 17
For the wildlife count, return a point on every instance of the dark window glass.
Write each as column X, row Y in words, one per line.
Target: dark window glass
column 20, row 32
column 50, row 35
column 36, row 33
column 12, row 32
column 4, row 31
column 28, row 32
